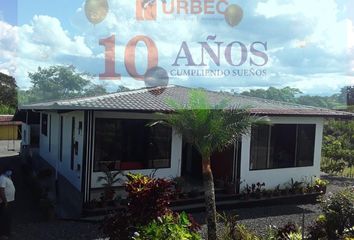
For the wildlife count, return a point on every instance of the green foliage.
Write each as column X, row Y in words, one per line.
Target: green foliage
column 209, row 128
column 335, row 167
column 292, row 95
column 338, row 146
column 286, row 94
column 320, row 184
column 7, row 110
column 8, row 93
column 148, row 200
column 294, row 236
column 232, row 230
column 59, row 82
column 338, row 211
column 110, row 178
column 169, row 227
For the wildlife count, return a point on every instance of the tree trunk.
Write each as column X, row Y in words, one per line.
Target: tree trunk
column 209, row 193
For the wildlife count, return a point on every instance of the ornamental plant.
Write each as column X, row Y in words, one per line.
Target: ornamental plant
column 338, row 209
column 148, row 200
column 168, row 227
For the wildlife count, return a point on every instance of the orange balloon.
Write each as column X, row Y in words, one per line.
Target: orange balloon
column 233, row 15
column 96, row 10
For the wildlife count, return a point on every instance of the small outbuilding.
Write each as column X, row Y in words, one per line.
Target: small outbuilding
column 9, row 129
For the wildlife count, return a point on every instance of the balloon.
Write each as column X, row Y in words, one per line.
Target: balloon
column 233, row 15
column 156, row 77
column 96, row 10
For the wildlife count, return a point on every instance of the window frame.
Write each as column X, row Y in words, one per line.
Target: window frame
column 127, row 119
column 72, row 157
column 296, row 146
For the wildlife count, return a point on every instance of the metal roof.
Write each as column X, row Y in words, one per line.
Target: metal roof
column 8, row 120
column 156, row 99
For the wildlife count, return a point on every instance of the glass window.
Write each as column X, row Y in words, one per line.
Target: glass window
column 282, row 146
column 259, row 146
column 305, row 145
column 44, row 127
column 73, row 143
column 128, row 144
column 61, row 139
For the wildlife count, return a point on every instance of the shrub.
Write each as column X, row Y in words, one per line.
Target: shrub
column 334, row 167
column 109, row 178
column 289, row 231
column 233, row 230
column 168, row 227
column 338, row 210
column 288, row 228
column 294, row 236
column 148, row 199
column 320, row 185
column 317, row 230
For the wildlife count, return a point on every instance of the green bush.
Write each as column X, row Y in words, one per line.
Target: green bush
column 168, row 227
column 6, row 109
column 233, row 230
column 334, row 167
column 338, row 211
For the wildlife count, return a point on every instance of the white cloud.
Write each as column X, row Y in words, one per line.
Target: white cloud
column 321, row 31
column 329, row 30
column 45, row 35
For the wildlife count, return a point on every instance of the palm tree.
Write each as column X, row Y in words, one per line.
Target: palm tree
column 209, row 128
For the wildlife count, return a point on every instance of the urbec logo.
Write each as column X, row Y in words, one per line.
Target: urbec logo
column 147, row 9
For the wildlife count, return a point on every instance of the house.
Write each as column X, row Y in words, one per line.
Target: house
column 9, row 129
column 78, row 138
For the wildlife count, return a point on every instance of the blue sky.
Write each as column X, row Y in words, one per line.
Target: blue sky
column 310, row 42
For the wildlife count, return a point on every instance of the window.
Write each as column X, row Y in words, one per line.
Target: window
column 128, row 144
column 44, row 128
column 50, row 133
column 282, row 146
column 73, row 144
column 61, row 139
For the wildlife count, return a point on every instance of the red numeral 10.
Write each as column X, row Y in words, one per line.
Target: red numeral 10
column 129, row 57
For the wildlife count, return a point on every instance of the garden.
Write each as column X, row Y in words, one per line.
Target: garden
column 148, row 215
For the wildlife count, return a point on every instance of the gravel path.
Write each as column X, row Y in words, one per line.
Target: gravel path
column 29, row 224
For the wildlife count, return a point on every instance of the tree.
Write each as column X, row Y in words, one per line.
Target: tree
column 292, row 95
column 339, row 141
column 209, row 128
column 8, row 92
column 59, row 82
column 121, row 88
column 286, row 94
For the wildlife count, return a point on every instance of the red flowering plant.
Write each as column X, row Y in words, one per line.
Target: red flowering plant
column 148, row 199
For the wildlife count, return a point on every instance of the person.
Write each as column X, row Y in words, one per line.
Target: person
column 7, row 196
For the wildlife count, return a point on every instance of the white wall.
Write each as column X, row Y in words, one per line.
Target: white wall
column 176, row 149
column 52, row 157
column 281, row 176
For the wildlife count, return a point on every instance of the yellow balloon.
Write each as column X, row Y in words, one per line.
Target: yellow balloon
column 233, row 15
column 96, row 10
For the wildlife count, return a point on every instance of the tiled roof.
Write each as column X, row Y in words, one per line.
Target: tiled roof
column 155, row 99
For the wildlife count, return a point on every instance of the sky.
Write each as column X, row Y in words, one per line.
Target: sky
column 309, row 43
